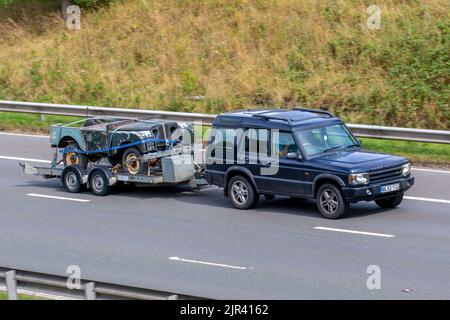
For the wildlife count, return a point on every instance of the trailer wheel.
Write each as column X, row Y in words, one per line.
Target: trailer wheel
column 72, row 181
column 72, row 158
column 99, row 183
column 132, row 161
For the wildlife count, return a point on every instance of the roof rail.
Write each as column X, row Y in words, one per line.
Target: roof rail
column 267, row 117
column 314, row 111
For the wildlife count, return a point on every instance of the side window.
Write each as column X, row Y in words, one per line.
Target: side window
column 251, row 140
column 256, row 141
column 222, row 142
column 285, row 145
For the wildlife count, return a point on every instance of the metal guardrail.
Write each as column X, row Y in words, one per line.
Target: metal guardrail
column 52, row 285
column 368, row 131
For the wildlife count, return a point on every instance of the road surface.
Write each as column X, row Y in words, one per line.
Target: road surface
column 177, row 240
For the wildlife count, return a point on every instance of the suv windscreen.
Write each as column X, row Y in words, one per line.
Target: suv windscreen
column 317, row 141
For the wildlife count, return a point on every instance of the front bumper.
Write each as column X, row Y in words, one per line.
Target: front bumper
column 372, row 191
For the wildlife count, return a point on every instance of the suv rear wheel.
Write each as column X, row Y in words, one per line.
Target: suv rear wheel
column 390, row 202
column 242, row 193
column 330, row 202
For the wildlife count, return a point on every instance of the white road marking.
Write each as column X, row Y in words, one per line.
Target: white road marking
column 24, row 159
column 427, row 199
column 430, row 170
column 54, row 197
column 356, row 232
column 209, row 263
column 23, row 135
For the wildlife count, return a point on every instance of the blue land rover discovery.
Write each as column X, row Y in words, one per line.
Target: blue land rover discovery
column 301, row 153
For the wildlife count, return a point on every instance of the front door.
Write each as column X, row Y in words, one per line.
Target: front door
column 289, row 178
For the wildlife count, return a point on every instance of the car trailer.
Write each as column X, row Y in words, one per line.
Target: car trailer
column 177, row 167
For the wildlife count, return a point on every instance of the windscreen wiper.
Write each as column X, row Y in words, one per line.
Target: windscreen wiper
column 352, row 145
column 331, row 149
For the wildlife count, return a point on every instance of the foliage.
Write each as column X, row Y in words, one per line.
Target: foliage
column 219, row 55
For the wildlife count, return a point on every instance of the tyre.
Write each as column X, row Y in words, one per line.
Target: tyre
column 390, row 202
column 242, row 193
column 269, row 197
column 71, row 157
column 114, row 160
column 99, row 183
column 72, row 181
column 132, row 161
column 330, row 201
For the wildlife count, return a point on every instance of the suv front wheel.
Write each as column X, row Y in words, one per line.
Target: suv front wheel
column 330, row 202
column 242, row 193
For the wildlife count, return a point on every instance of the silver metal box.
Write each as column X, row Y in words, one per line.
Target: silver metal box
column 177, row 168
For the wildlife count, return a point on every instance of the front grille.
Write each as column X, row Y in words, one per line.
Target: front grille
column 386, row 174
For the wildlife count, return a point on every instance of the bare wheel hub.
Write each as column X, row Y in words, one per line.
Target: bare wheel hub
column 133, row 164
column 72, row 158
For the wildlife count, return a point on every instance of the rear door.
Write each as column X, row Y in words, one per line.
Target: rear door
column 252, row 153
column 220, row 153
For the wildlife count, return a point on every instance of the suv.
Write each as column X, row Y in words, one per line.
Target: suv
column 301, row 153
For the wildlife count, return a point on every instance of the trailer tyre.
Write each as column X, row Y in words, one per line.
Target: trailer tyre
column 72, row 180
column 99, row 183
column 132, row 161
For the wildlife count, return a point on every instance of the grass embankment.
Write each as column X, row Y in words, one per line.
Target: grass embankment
column 3, row 296
column 235, row 54
column 30, row 123
column 419, row 153
column 427, row 154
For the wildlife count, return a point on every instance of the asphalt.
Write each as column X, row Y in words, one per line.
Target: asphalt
column 274, row 251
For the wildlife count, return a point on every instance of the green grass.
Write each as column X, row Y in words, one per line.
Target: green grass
column 236, row 54
column 418, row 152
column 3, row 296
column 31, row 123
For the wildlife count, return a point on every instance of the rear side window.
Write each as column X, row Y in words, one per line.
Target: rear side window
column 222, row 142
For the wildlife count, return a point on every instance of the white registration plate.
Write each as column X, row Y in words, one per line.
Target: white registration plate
column 390, row 187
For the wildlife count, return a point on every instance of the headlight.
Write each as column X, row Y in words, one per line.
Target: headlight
column 406, row 169
column 358, row 178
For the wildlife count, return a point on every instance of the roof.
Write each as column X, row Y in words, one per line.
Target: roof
column 283, row 119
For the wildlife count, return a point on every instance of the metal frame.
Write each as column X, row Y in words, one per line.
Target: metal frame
column 16, row 280
column 367, row 131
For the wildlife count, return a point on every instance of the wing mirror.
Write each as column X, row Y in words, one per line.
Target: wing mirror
column 294, row 155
